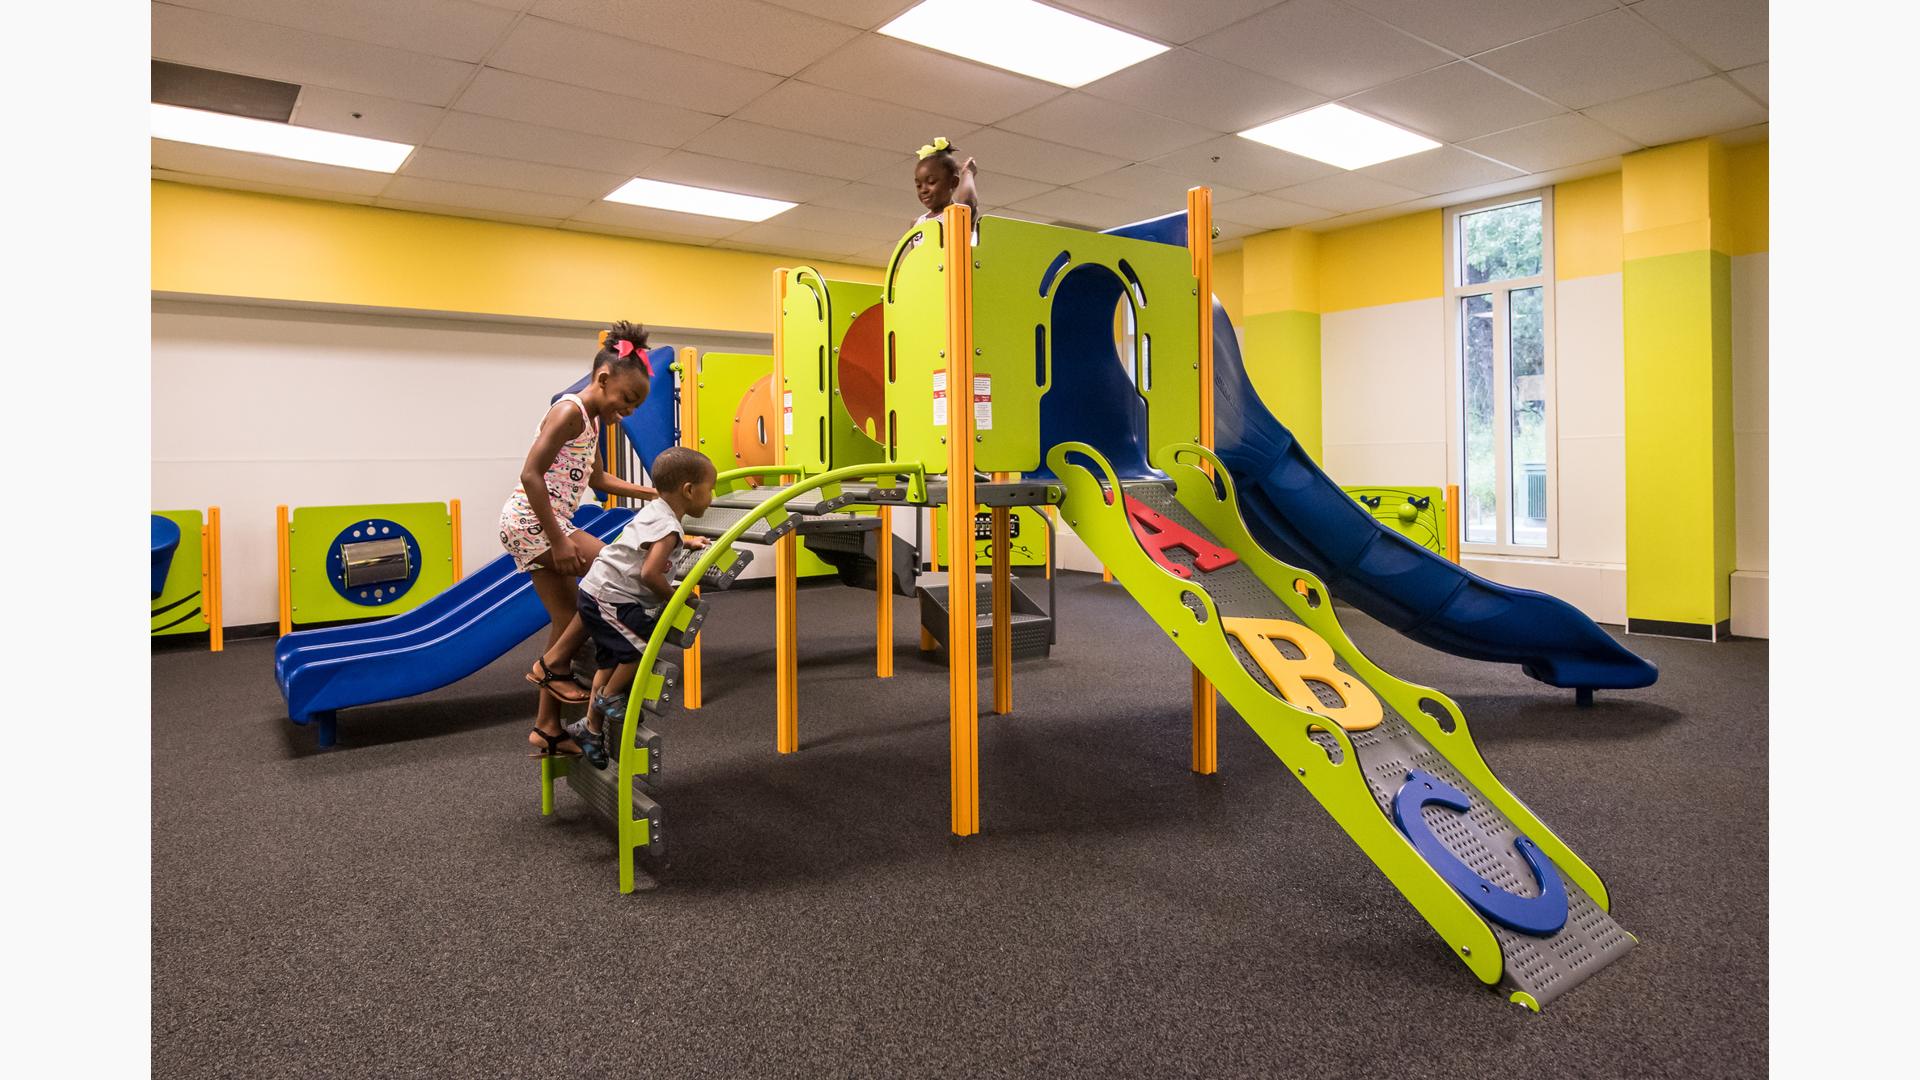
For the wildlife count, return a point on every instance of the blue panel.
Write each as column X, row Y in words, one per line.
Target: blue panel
column 1541, row 916
column 470, row 625
column 1092, row 400
column 166, row 541
column 1302, row 517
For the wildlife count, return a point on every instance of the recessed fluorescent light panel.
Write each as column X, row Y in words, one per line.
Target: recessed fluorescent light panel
column 1022, row 36
column 244, row 133
column 1339, row 136
column 697, row 200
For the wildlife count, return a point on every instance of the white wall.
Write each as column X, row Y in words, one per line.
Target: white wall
column 259, row 406
column 1750, row 444
column 1383, row 392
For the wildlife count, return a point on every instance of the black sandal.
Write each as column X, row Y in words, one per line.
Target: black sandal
column 552, row 749
column 543, row 677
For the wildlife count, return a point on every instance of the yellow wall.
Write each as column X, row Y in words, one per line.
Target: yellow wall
column 1747, row 167
column 216, row 242
column 1586, row 227
column 1228, row 267
column 1384, row 262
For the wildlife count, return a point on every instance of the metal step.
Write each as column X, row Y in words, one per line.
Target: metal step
column 600, row 790
column 817, row 501
column 649, row 742
column 1014, row 493
column 1032, row 627
column 720, row 576
column 657, row 696
column 718, row 519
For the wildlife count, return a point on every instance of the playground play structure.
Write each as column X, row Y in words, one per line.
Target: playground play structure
column 1003, row 382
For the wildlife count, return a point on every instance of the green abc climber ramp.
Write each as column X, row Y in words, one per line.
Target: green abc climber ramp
column 1392, row 762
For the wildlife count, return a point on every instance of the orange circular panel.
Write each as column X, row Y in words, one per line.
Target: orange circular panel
column 754, row 433
column 863, row 357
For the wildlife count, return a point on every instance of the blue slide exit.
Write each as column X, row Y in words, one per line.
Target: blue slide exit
column 470, row 625
column 1302, row 517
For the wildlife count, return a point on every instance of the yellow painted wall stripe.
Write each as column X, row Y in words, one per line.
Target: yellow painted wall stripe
column 1586, row 227
column 1383, row 262
column 217, row 242
column 1748, row 168
column 1228, row 285
column 1282, row 272
column 1283, row 362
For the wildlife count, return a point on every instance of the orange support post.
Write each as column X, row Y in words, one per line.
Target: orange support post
column 1002, row 607
column 453, row 524
column 1453, row 522
column 213, row 584
column 1206, row 703
column 689, row 371
column 286, row 571
column 883, row 604
column 963, row 643
column 786, row 563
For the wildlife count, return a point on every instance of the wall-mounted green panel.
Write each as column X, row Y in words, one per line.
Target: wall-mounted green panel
column 178, row 610
column 311, row 538
column 1417, row 513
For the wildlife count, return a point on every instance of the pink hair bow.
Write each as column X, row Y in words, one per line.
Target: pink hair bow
column 625, row 349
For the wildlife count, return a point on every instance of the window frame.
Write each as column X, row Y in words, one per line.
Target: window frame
column 1456, row 293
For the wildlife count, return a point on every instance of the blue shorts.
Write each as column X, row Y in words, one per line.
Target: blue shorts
column 619, row 630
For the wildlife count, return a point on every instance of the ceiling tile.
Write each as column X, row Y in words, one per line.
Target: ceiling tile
column 1265, row 212
column 1452, row 103
column 1089, row 123
column 363, row 114
column 455, row 29
column 1601, row 59
column 745, row 32
column 789, row 238
column 1729, row 33
column 1444, row 168
column 881, row 67
column 574, row 108
column 743, row 141
column 1553, row 143
column 265, row 169
column 1150, row 184
column 835, row 114
column 1231, row 161
column 1088, row 208
column 536, row 142
column 1471, row 26
column 529, row 204
column 1201, row 90
column 481, row 213
column 878, row 255
column 1175, row 24
column 1000, row 151
column 1322, row 46
column 1754, row 79
column 658, row 223
column 744, row 177
column 1703, row 107
column 997, row 187
column 246, row 47
column 855, row 223
column 1347, row 193
column 436, row 164
column 569, row 54
column 295, row 191
column 896, row 201
column 1231, row 232
column 865, row 14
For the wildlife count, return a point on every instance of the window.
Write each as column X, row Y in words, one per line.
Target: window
column 1500, row 334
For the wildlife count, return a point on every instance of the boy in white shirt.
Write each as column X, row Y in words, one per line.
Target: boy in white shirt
column 627, row 587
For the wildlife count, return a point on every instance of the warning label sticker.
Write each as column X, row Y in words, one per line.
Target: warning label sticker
column 983, row 402
column 940, row 398
column 789, row 410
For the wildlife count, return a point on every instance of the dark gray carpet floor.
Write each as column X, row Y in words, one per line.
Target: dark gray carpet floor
column 398, row 907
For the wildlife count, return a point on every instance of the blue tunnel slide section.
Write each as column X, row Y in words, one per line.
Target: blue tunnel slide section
column 446, row 639
column 1302, row 517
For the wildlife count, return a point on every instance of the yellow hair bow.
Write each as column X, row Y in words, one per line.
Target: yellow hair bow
column 935, row 147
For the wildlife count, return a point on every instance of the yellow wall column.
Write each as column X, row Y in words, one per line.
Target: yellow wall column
column 1280, row 296
column 1676, row 282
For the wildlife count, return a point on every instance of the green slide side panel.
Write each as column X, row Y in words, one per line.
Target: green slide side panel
column 848, row 445
column 311, row 531
column 916, row 318
column 1397, row 511
column 1011, row 262
column 1187, row 614
column 724, row 380
column 806, row 323
column 1028, row 546
column 179, row 611
column 1218, row 510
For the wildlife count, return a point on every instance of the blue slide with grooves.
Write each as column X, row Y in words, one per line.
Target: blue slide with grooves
column 470, row 625
column 1302, row 517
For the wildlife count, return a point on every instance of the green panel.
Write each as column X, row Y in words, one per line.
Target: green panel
column 806, row 336
column 1011, row 261
column 1396, row 511
column 724, row 380
column 1028, row 546
column 311, row 532
column 916, row 314
column 1679, row 436
column 178, row 611
column 849, row 445
column 1282, row 357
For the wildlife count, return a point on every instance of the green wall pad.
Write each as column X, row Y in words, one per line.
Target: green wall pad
column 1028, row 546
column 311, row 543
column 178, row 611
column 1401, row 509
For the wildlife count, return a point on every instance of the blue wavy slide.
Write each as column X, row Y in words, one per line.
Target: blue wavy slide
column 1302, row 517
column 470, row 625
